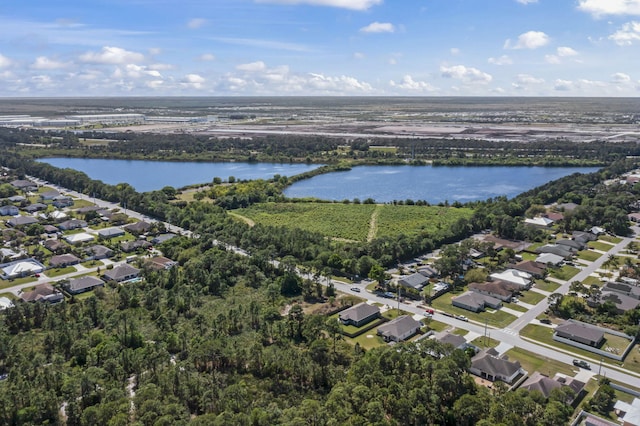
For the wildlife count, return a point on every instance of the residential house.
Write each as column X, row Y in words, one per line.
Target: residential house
column 17, row 199
column 629, row 414
column 580, row 332
column 108, row 233
column 549, row 259
column 634, row 217
column 556, row 217
column 623, row 288
column 597, row 230
column 7, row 253
column 536, row 269
column 50, row 229
column 5, row 303
column 129, row 246
column 415, row 281
column 34, row 207
column 499, row 289
column 138, row 228
column 79, row 238
column 83, row 284
column 399, row 329
column 500, row 243
column 159, row 239
column 519, row 278
column 360, row 314
column 21, row 221
column 583, row 236
column 20, row 268
column 121, row 273
column 428, row 271
column 544, row 384
column 63, row 260
column 572, row 244
column 9, row 210
column 488, row 365
column 24, row 185
column 475, row 302
column 160, row 263
column 564, row 251
column 62, row 201
column 12, row 234
column 49, row 195
column 56, row 215
column 566, row 207
column 539, row 221
column 55, row 246
column 45, row 293
column 87, row 209
column 72, row 224
column 98, row 252
column 455, row 340
column 622, row 302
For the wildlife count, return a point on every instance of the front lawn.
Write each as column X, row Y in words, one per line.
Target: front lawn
column 546, row 285
column 485, row 342
column 600, row 245
column 565, row 273
column 368, row 340
column 10, row 283
column 497, row 318
column 533, row 362
column 532, row 297
column 51, row 273
column 8, row 295
column 610, row 239
column 589, row 255
column 591, row 280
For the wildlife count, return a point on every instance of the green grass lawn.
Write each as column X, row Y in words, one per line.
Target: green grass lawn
column 495, row 318
column 528, row 256
column 588, row 255
column 515, row 307
column 394, row 313
column 92, row 264
column 590, row 280
column 610, row 239
column 8, row 295
column 565, row 273
column 460, row 331
column 600, row 245
column 533, row 362
column 437, row 325
column 546, row 285
column 51, row 273
column 531, row 297
column 10, row 283
column 367, row 342
column 485, row 342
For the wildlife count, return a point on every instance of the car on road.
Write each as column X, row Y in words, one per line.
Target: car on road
column 462, row 318
column 582, row 364
column 429, row 311
column 356, row 289
column 545, row 321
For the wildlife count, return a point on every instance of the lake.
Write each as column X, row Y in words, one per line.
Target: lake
column 433, row 184
column 382, row 183
column 153, row 175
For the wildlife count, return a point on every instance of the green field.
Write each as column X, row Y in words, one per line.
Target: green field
column 533, row 362
column 532, row 297
column 357, row 222
column 565, row 273
column 546, row 285
column 600, row 245
column 588, row 255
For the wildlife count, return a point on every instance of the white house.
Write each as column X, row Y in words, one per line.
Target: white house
column 520, row 278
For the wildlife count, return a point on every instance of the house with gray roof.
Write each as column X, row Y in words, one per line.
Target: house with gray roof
column 550, row 259
column 138, row 228
column 24, row 185
column 34, row 207
column 622, row 288
column 20, row 221
column 572, row 244
column 499, row 289
column 9, row 210
column 455, row 340
column 49, row 195
column 63, row 260
column 110, row 233
column 129, row 246
column 580, row 332
column 622, row 302
column 475, row 302
column 360, row 314
column 121, row 273
column 162, row 238
column 544, row 384
column 71, row 224
column 17, row 199
column 488, row 365
column 399, row 329
column 62, row 201
column 536, row 269
column 583, row 236
column 97, row 252
column 564, row 251
column 415, row 281
column 55, row 246
column 45, row 293
column 83, row 284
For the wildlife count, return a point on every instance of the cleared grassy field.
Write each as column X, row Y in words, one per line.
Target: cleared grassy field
column 600, row 245
column 533, row 362
column 546, row 285
column 565, row 273
column 589, row 255
column 356, row 221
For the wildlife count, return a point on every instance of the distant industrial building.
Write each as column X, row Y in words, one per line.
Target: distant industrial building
column 107, row 118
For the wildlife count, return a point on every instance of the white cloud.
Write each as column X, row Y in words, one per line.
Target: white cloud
column 627, row 35
column 344, row 4
column 599, row 8
column 526, row 79
column 466, row 74
column 527, row 1
column 454, row 51
column 44, row 63
column 196, row 23
column 4, row 61
column 378, row 27
column 621, row 77
column 563, row 85
column 343, row 83
column 502, row 60
column 155, row 84
column 161, row 67
column 529, row 40
column 566, row 51
column 206, row 57
column 112, row 55
column 552, row 59
column 408, row 83
column 193, row 81
column 393, row 61
column 137, row 71
column 252, row 67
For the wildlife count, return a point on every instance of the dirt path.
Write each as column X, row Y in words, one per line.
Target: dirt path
column 245, row 219
column 373, row 224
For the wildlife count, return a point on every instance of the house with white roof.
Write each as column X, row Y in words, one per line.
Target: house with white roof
column 20, row 268
column 520, row 278
column 79, row 238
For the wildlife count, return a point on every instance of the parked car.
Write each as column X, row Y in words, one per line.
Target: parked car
column 582, row 364
column 429, row 311
column 356, row 289
column 545, row 321
column 462, row 318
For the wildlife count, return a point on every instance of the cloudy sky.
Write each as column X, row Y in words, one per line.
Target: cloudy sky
column 320, row 47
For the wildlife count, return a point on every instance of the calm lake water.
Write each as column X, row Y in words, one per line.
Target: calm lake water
column 434, row 184
column 382, row 183
column 153, row 175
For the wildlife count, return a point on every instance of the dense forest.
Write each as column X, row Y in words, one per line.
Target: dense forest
column 225, row 339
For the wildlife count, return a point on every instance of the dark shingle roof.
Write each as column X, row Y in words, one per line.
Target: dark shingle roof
column 359, row 312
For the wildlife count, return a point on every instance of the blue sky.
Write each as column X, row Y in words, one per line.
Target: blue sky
column 320, row 47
